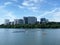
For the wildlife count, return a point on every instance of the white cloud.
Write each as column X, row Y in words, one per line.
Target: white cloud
column 35, row 1
column 55, row 14
column 10, row 15
column 28, row 3
column 7, row 3
column 34, row 9
column 48, row 12
column 20, row 6
column 25, row 3
column 31, row 4
column 4, row 14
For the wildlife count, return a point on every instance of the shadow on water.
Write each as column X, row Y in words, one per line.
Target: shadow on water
column 18, row 31
column 43, row 32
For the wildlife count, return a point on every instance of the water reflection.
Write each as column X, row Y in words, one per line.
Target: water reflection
column 29, row 36
column 18, row 31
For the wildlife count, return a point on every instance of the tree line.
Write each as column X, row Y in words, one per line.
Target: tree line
column 37, row 25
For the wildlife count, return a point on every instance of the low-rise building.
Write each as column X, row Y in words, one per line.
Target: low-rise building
column 43, row 20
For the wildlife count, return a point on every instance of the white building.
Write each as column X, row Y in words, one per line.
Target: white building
column 7, row 21
column 15, row 21
column 12, row 23
column 30, row 20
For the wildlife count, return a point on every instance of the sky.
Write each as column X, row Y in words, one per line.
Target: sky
column 17, row 9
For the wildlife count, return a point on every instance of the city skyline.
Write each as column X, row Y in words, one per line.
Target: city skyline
column 17, row 9
column 25, row 20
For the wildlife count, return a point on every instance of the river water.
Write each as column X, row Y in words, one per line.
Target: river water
column 29, row 36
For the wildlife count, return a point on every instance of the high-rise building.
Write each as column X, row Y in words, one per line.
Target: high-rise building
column 7, row 22
column 25, row 20
column 30, row 20
column 18, row 21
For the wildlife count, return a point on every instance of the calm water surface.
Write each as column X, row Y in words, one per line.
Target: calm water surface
column 29, row 36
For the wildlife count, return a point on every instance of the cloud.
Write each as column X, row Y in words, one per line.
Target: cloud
column 55, row 14
column 20, row 6
column 7, row 3
column 34, row 9
column 5, row 14
column 49, row 12
column 32, row 5
column 10, row 15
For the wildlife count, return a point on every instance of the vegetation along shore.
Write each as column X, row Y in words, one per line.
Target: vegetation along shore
column 38, row 25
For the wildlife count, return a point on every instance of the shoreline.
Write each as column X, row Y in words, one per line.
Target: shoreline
column 29, row 28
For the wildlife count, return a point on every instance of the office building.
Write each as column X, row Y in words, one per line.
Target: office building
column 30, row 20
column 43, row 20
column 18, row 21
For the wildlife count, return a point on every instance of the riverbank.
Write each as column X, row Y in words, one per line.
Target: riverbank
column 42, row 25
